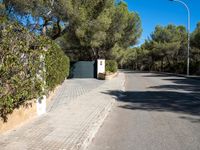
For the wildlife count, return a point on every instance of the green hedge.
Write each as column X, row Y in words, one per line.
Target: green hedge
column 111, row 66
column 57, row 66
column 20, row 65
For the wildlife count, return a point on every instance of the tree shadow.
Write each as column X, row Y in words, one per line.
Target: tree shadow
column 162, row 101
column 178, row 83
column 191, row 119
column 175, row 94
column 189, row 88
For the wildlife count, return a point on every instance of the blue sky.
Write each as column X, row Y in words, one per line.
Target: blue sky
column 163, row 12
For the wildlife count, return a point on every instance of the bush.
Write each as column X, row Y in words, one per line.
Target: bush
column 111, row 66
column 19, row 60
column 21, row 69
column 57, row 66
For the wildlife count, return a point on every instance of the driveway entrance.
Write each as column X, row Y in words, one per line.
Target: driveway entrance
column 83, row 69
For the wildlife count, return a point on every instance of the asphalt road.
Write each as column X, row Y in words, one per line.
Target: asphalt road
column 156, row 112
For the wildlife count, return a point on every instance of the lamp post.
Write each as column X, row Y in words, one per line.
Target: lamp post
column 188, row 50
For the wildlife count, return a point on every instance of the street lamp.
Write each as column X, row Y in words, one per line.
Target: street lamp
column 188, row 51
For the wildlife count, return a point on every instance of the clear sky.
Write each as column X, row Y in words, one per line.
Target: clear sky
column 163, row 12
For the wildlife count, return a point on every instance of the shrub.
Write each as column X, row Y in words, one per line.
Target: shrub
column 18, row 68
column 111, row 66
column 21, row 69
column 57, row 66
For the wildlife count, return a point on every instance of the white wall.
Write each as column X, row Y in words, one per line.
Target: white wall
column 101, row 66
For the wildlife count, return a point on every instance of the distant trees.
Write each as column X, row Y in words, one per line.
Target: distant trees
column 195, row 37
column 166, row 50
column 85, row 29
column 195, row 43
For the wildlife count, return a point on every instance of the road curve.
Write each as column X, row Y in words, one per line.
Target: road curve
column 156, row 112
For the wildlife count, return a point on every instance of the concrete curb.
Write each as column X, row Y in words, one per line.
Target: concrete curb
column 97, row 126
column 101, row 118
column 109, row 77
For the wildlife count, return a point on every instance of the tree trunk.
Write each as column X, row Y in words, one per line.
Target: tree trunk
column 44, row 29
column 58, row 32
column 161, row 69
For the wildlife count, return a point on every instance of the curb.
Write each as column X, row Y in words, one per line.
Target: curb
column 96, row 126
column 109, row 77
column 101, row 118
column 86, row 115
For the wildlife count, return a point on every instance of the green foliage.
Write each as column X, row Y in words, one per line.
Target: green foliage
column 111, row 66
column 18, row 65
column 119, row 54
column 167, row 47
column 195, row 50
column 57, row 66
column 2, row 10
column 21, row 66
column 195, row 37
column 165, row 50
column 34, row 7
column 134, row 58
column 86, row 30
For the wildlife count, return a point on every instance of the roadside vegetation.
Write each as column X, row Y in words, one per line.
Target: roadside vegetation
column 23, row 56
column 111, row 66
column 165, row 50
column 39, row 38
column 85, row 30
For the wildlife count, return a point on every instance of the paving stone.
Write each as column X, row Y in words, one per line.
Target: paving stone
column 71, row 89
column 78, row 109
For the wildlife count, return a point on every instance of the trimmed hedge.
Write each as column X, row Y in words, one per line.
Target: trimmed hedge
column 21, row 69
column 57, row 66
column 111, row 66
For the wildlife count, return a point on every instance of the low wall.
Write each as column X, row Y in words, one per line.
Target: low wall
column 20, row 115
column 23, row 114
column 110, row 76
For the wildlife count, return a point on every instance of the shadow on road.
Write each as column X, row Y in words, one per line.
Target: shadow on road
column 180, row 83
column 180, row 95
column 163, row 101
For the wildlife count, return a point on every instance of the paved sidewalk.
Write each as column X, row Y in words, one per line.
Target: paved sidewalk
column 71, row 90
column 67, row 127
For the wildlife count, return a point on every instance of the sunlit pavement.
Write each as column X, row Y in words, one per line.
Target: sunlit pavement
column 156, row 112
column 78, row 110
